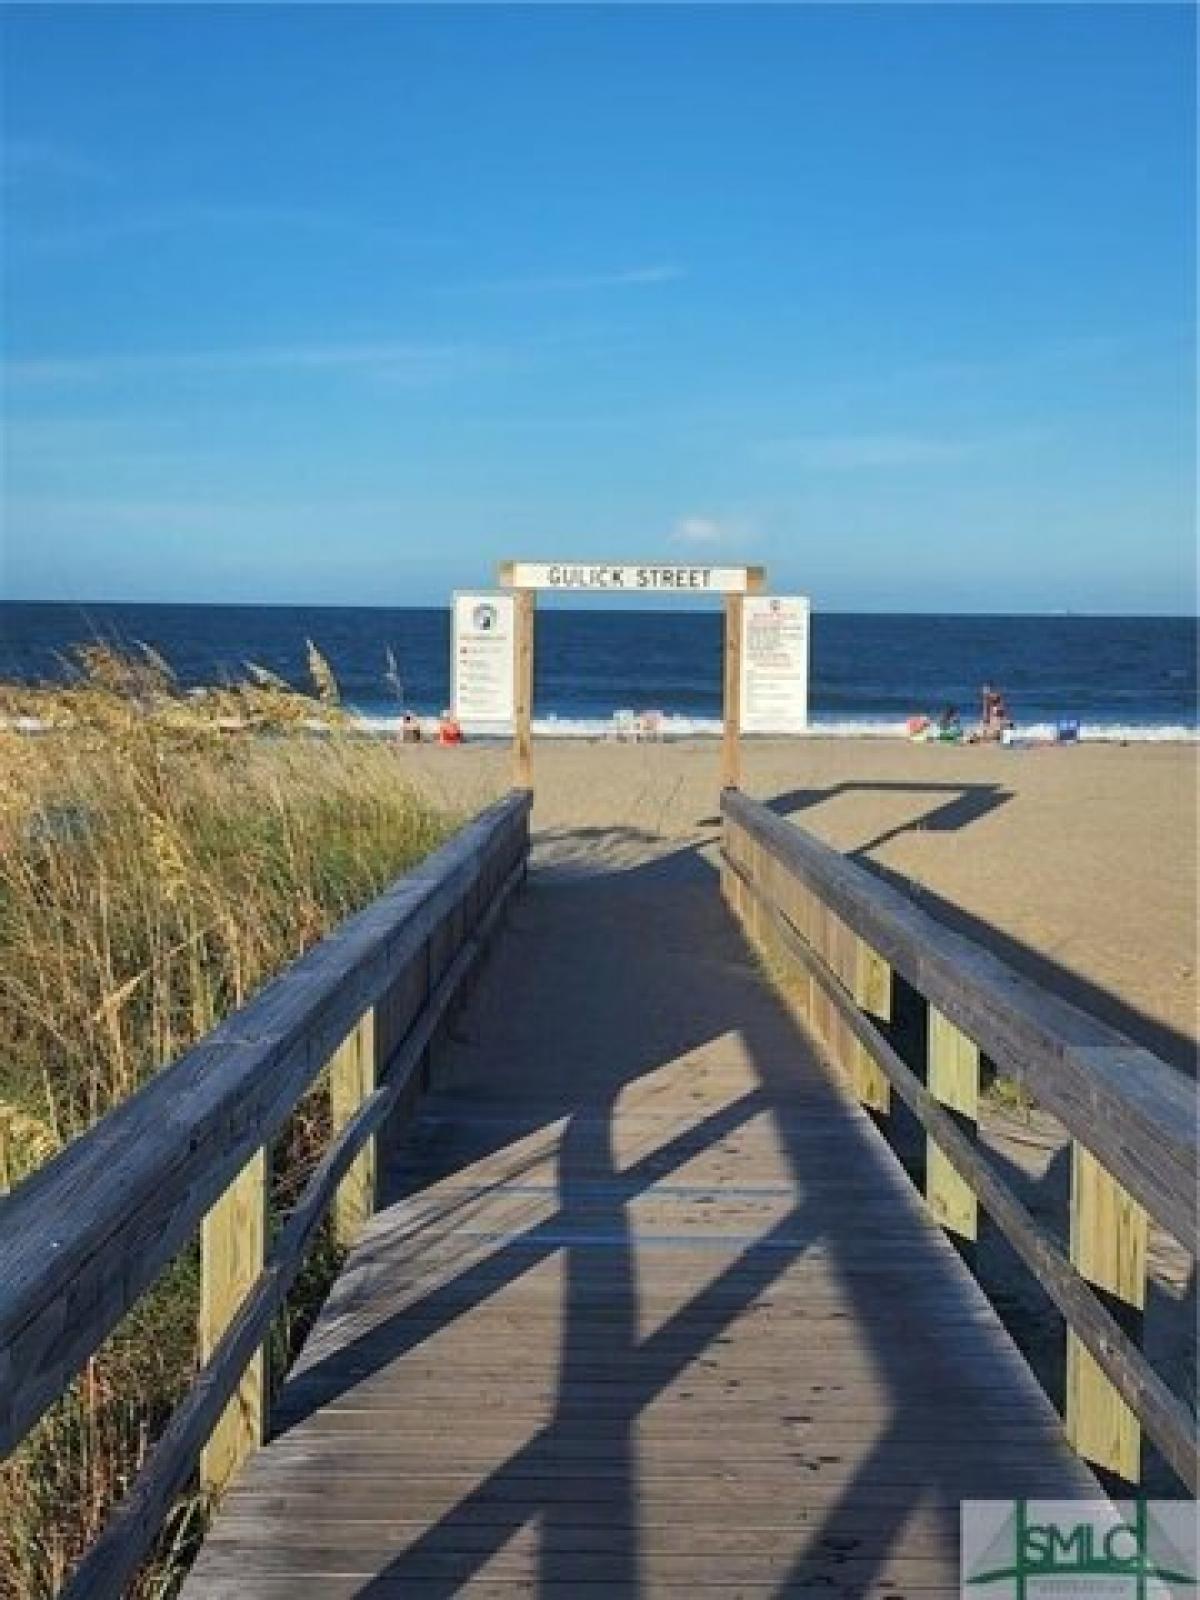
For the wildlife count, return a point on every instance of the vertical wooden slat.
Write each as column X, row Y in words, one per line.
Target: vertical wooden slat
column 757, row 909
column 794, row 902
column 353, row 1074
column 1109, row 1237
column 523, row 689
column 847, row 956
column 6, row 1146
column 874, row 983
column 233, row 1242
column 873, row 994
column 731, row 743
column 952, row 1077
column 822, row 1006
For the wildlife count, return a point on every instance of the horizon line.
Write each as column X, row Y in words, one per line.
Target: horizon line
column 690, row 607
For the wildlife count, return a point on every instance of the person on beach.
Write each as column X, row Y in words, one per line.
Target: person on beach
column 410, row 729
column 949, row 724
column 449, row 729
column 995, row 718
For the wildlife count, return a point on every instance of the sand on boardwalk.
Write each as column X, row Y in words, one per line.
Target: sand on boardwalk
column 1078, row 865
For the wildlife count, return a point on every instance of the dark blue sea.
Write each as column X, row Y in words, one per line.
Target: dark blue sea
column 1123, row 677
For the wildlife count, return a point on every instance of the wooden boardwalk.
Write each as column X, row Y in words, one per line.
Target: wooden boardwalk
column 650, row 1307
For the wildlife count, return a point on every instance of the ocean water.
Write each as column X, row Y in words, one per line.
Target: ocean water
column 1123, row 677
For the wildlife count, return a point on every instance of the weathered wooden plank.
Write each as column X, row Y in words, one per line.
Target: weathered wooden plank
column 352, row 1079
column 233, row 1243
column 374, row 1497
column 1109, row 1242
column 424, row 1440
column 872, row 990
column 832, row 1585
column 520, row 1557
column 1136, row 1113
column 952, row 1078
column 723, row 1537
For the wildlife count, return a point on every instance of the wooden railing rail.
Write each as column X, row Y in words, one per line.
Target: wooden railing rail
column 1130, row 1117
column 83, row 1238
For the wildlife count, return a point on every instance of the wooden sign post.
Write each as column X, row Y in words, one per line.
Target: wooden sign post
column 523, row 695
column 731, row 734
column 652, row 578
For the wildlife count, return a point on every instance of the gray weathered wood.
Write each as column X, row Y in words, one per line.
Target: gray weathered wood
column 652, row 1307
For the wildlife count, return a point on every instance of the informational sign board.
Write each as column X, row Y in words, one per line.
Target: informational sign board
column 613, row 578
column 482, row 664
column 774, row 691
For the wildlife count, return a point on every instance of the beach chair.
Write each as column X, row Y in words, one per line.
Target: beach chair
column 1066, row 730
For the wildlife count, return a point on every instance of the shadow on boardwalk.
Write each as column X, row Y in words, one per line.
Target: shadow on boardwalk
column 770, row 1370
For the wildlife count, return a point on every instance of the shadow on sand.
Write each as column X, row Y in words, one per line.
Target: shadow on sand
column 966, row 804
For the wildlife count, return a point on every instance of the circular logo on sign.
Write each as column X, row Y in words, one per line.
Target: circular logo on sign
column 484, row 618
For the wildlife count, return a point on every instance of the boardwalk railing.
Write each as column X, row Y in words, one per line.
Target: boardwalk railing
column 89, row 1233
column 844, row 937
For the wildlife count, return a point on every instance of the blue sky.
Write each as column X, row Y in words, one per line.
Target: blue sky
column 347, row 304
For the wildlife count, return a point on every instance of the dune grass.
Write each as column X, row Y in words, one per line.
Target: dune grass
column 161, row 855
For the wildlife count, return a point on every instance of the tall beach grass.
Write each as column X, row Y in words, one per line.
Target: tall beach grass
column 161, row 855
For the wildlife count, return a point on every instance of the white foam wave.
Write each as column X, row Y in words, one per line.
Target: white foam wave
column 685, row 727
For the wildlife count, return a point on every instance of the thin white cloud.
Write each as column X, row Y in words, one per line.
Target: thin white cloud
column 701, row 530
column 570, row 283
column 391, row 360
column 854, row 452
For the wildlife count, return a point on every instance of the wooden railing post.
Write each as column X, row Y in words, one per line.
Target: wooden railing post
column 1109, row 1236
column 353, row 1075
column 233, row 1243
column 952, row 1078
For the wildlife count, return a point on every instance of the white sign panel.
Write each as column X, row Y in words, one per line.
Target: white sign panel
column 775, row 663
column 616, row 579
column 482, row 666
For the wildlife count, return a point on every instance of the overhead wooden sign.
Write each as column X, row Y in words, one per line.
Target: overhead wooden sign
column 527, row 578
column 615, row 578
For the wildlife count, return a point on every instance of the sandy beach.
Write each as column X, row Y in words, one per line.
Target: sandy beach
column 1078, row 865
